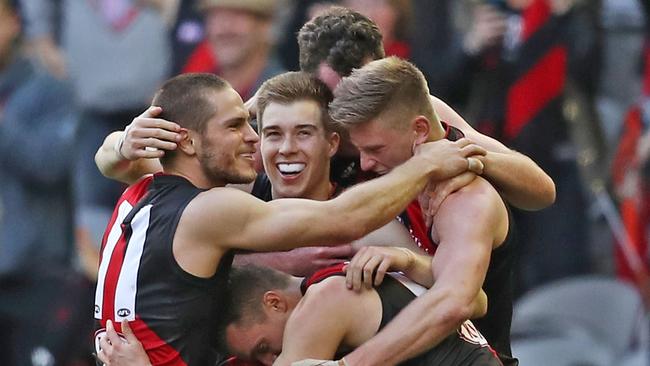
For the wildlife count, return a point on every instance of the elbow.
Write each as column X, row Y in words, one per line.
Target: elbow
column 455, row 312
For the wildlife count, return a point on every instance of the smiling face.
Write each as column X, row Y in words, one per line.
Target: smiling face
column 225, row 149
column 296, row 150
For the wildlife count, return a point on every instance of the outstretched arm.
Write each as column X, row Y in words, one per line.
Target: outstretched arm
column 517, row 177
column 287, row 223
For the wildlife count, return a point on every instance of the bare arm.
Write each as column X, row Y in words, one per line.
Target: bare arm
column 123, row 155
column 459, row 267
column 319, row 326
column 522, row 182
column 248, row 223
column 114, row 166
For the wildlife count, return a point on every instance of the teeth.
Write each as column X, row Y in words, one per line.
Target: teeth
column 291, row 168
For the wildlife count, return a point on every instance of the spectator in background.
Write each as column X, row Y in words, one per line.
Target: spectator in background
column 238, row 45
column 37, row 126
column 393, row 17
column 115, row 53
column 519, row 91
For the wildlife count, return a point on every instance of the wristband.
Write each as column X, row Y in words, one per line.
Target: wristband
column 120, row 142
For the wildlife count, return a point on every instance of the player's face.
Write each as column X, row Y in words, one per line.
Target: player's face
column 296, row 149
column 381, row 147
column 227, row 145
column 260, row 341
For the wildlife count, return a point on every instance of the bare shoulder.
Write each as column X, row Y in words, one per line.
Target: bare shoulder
column 478, row 203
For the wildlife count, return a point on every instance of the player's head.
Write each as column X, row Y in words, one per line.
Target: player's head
column 260, row 302
column 339, row 40
column 298, row 136
column 216, row 131
column 386, row 109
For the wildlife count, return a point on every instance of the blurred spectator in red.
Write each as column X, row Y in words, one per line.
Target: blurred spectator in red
column 238, row 44
column 518, row 93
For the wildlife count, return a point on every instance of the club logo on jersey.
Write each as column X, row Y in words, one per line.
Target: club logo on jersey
column 470, row 334
column 100, row 333
column 123, row 312
column 97, row 309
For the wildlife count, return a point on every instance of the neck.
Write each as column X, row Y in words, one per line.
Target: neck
column 322, row 193
column 293, row 290
column 192, row 172
column 437, row 132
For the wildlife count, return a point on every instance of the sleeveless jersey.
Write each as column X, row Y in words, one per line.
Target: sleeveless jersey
column 172, row 312
column 466, row 347
column 499, row 281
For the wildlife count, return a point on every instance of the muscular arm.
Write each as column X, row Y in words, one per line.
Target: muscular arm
column 523, row 184
column 459, row 267
column 327, row 318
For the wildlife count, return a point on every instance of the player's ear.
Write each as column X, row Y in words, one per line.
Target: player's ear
column 334, row 141
column 187, row 142
column 274, row 301
column 421, row 129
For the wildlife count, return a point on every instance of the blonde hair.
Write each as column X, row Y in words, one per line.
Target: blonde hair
column 390, row 85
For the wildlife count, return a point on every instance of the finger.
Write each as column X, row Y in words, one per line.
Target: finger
column 127, row 332
column 156, row 143
column 475, row 165
column 152, row 111
column 111, row 334
column 381, row 272
column 149, row 154
column 472, row 149
column 369, row 269
column 158, row 133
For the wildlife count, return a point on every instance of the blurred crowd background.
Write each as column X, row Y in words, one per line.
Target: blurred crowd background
column 566, row 82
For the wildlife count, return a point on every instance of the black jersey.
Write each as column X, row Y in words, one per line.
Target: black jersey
column 465, row 347
column 172, row 312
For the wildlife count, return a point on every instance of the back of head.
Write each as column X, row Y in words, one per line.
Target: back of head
column 342, row 38
column 390, row 85
column 246, row 287
column 291, row 87
column 188, row 100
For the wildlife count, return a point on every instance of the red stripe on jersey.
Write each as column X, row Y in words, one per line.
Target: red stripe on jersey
column 132, row 195
column 159, row 352
column 418, row 228
column 321, row 274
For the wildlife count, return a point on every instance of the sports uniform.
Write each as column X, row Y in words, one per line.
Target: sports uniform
column 172, row 312
column 466, row 347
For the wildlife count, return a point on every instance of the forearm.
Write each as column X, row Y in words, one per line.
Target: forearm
column 420, row 271
column 114, row 166
column 372, row 204
column 519, row 180
column 424, row 323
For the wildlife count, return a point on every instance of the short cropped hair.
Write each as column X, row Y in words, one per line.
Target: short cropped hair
column 188, row 100
column 291, row 87
column 343, row 38
column 246, row 287
column 387, row 85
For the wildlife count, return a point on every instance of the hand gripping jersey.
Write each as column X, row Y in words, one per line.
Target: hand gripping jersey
column 465, row 347
column 172, row 312
column 498, row 284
